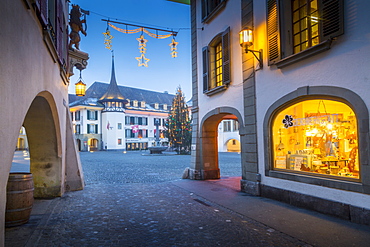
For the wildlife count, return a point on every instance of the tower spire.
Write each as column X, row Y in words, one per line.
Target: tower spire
column 113, row 74
column 113, row 93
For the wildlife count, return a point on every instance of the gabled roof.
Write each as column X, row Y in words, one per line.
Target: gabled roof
column 83, row 101
column 97, row 89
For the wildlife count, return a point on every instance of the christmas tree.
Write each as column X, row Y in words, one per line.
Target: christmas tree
column 178, row 124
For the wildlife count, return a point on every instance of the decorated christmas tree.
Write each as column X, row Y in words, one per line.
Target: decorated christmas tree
column 178, row 124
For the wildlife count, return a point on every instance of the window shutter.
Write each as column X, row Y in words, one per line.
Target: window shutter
column 96, row 129
column 42, row 9
column 59, row 32
column 204, row 8
column 88, row 129
column 96, row 115
column 88, row 114
column 273, row 37
column 332, row 19
column 205, row 68
column 226, row 56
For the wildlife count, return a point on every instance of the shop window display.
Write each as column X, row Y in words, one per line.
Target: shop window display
column 317, row 137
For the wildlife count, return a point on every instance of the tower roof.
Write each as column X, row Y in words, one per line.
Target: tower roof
column 112, row 93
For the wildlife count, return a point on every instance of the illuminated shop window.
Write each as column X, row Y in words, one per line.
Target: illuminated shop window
column 318, row 137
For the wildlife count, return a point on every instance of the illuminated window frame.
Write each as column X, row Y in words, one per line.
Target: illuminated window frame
column 305, row 18
column 317, row 137
column 322, row 92
column 280, row 31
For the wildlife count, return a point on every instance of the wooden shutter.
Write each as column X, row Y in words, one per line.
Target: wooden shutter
column 205, row 68
column 88, row 129
column 61, row 34
column 96, row 115
column 96, row 129
column 204, row 9
column 332, row 19
column 273, row 32
column 226, row 76
column 42, row 11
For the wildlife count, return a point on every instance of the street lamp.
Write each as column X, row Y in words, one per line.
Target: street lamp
column 246, row 40
column 80, row 87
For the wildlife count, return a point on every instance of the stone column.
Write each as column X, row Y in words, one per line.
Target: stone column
column 194, row 171
column 250, row 182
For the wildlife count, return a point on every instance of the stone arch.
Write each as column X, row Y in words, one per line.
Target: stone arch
column 79, row 143
column 232, row 145
column 21, row 145
column 45, row 146
column 209, row 167
column 93, row 144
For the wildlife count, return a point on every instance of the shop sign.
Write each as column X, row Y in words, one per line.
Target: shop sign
column 289, row 121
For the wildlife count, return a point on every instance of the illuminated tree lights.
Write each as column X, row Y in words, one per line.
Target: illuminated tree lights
column 178, row 124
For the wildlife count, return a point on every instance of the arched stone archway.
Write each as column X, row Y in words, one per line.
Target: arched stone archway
column 93, row 144
column 233, row 145
column 79, row 144
column 208, row 167
column 44, row 140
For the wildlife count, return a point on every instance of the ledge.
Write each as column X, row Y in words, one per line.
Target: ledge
column 323, row 46
column 216, row 90
column 331, row 182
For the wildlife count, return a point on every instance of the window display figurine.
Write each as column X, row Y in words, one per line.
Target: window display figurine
column 76, row 26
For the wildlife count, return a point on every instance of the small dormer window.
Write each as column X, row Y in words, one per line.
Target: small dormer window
column 142, row 104
column 128, row 102
column 164, row 106
column 156, row 105
column 135, row 103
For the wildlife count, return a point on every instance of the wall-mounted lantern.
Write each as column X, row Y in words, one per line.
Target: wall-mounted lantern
column 246, row 40
column 80, row 87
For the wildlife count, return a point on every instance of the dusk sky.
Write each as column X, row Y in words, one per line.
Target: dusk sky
column 163, row 73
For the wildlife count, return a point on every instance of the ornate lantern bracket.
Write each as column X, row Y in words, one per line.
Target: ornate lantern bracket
column 77, row 59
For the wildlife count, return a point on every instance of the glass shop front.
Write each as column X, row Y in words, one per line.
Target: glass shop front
column 318, row 137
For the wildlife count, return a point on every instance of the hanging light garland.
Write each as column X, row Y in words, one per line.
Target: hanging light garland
column 173, row 46
column 108, row 39
column 143, row 61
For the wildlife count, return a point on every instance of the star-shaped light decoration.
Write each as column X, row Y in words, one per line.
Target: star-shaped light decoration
column 142, row 49
column 173, row 46
column 143, row 61
column 108, row 40
column 142, row 41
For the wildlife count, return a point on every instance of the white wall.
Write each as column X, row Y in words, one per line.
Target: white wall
column 110, row 136
column 233, row 96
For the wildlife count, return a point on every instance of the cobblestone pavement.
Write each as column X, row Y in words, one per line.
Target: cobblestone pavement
column 140, row 167
column 130, row 200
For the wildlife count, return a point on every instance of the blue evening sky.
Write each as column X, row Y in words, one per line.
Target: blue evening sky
column 163, row 73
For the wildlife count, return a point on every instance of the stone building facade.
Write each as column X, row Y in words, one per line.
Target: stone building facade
column 299, row 92
column 35, row 70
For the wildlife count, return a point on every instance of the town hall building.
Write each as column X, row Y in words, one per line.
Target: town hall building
column 113, row 117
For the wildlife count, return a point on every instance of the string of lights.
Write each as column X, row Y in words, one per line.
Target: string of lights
column 134, row 27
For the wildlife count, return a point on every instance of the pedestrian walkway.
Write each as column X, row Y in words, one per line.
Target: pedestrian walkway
column 136, row 200
column 310, row 227
column 178, row 213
